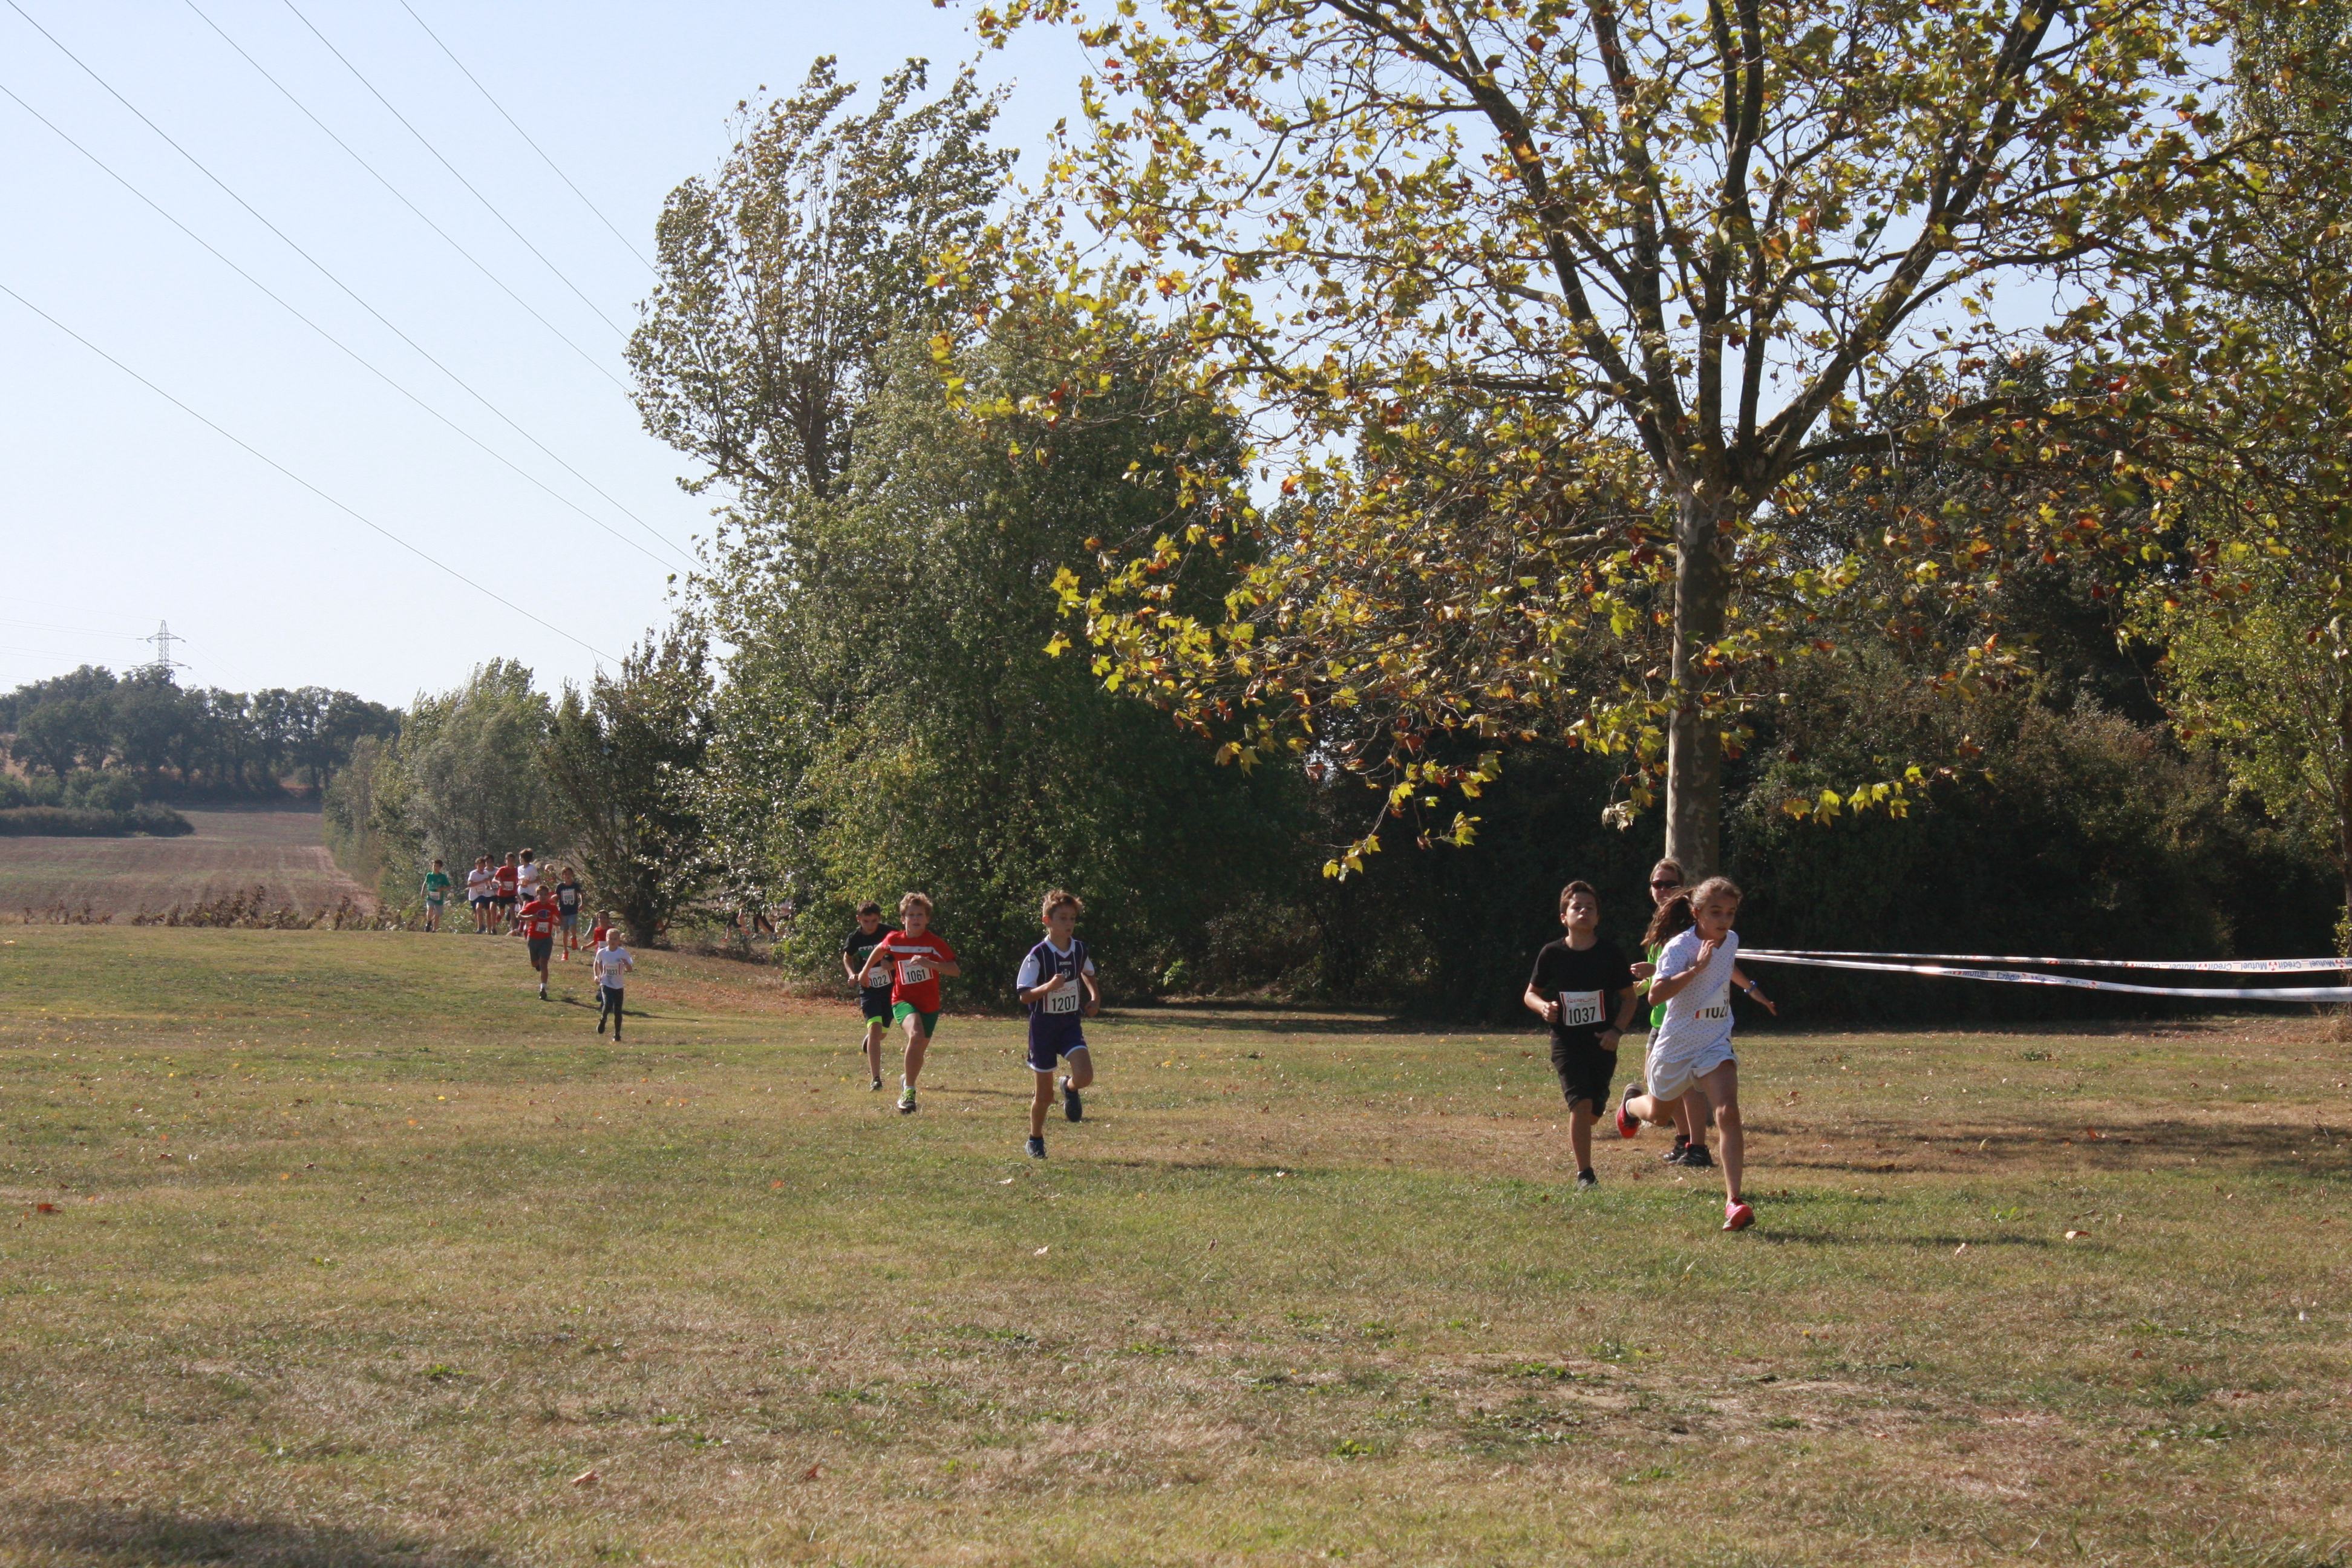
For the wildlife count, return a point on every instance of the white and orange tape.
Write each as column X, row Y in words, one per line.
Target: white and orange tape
column 1906, row 963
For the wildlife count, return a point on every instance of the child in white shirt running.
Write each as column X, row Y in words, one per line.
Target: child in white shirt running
column 611, row 966
column 1690, row 1052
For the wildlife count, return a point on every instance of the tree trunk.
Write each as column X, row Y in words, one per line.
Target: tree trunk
column 2344, row 818
column 1693, row 743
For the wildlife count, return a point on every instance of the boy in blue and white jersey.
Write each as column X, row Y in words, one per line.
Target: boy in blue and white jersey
column 1057, row 983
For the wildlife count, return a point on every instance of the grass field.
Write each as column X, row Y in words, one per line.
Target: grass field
column 342, row 1249
column 230, row 851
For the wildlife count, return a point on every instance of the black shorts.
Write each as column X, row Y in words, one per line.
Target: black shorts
column 1584, row 1073
column 874, row 1003
column 541, row 946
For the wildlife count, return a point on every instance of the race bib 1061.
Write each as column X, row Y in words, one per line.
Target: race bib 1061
column 1578, row 1009
column 914, row 972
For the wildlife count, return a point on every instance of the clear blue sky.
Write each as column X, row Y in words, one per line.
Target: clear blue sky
column 118, row 510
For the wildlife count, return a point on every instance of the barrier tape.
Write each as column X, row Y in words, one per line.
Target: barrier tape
column 2208, row 966
column 2020, row 977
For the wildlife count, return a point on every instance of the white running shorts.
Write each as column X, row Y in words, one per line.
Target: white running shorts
column 1670, row 1078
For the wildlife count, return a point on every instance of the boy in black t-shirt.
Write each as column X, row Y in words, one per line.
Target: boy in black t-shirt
column 874, row 999
column 1583, row 988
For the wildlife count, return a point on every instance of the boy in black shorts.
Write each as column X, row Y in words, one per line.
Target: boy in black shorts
column 873, row 999
column 1583, row 988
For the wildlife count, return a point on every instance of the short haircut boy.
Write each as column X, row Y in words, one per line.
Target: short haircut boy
column 869, row 908
column 1573, row 889
column 914, row 901
column 1058, row 899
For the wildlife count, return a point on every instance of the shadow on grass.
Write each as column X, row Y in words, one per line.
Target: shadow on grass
column 2305, row 1147
column 99, row 1533
column 1271, row 1019
column 1768, row 1233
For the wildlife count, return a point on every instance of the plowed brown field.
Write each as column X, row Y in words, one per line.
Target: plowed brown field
column 229, row 850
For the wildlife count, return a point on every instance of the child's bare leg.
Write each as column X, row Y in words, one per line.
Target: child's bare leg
column 1722, row 1090
column 1580, row 1134
column 874, row 1047
column 1080, row 1067
column 1649, row 1107
column 918, row 1043
column 1689, row 1127
column 1040, row 1102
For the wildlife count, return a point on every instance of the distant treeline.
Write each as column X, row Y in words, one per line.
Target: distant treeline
column 177, row 742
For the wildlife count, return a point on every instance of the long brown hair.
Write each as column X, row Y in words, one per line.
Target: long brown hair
column 1674, row 916
column 1669, row 921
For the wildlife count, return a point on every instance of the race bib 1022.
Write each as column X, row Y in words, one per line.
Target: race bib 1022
column 1715, row 1013
column 1578, row 1009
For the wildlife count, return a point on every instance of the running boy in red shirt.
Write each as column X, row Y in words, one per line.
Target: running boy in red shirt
column 922, row 958
column 537, row 921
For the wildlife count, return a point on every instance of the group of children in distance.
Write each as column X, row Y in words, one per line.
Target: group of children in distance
column 1584, row 988
column 513, row 895
column 898, row 970
column 501, row 894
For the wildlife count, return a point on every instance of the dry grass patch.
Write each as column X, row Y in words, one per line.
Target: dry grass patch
column 230, row 851
column 361, row 1255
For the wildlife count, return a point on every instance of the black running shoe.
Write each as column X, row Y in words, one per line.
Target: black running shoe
column 1673, row 1156
column 1074, row 1108
column 1036, row 1148
column 1697, row 1158
column 1586, row 1180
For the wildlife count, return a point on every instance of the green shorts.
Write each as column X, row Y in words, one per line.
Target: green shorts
column 902, row 1011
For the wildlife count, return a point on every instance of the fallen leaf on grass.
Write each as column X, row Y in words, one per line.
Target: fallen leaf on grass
column 2076, row 1235
column 1039, row 1253
column 45, row 1208
column 773, row 1185
column 1958, row 1250
column 1006, row 1183
column 809, row 1474
column 586, row 1478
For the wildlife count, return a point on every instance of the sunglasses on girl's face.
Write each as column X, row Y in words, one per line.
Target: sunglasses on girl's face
column 1664, row 887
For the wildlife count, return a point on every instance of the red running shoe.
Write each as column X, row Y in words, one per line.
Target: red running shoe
column 1626, row 1125
column 1738, row 1217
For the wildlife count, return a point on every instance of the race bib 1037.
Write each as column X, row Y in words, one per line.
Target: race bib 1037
column 1578, row 1009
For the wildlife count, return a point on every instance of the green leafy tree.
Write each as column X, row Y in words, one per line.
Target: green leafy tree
column 1663, row 263
column 2251, row 620
column 623, row 762
column 782, row 278
column 900, row 631
column 465, row 776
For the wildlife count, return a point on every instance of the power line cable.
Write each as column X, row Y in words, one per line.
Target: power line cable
column 265, row 457
column 452, row 170
column 329, row 274
column 402, row 198
column 357, row 358
column 54, row 627
column 627, row 243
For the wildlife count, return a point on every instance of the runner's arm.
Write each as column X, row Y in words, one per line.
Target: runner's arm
column 1754, row 992
column 1540, row 1006
column 1665, row 987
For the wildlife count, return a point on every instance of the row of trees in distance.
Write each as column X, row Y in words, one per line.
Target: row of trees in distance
column 171, row 741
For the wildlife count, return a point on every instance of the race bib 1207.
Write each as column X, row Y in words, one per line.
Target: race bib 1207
column 1066, row 1000
column 1578, row 1009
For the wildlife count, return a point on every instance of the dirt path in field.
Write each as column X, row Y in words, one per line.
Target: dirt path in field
column 230, row 849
